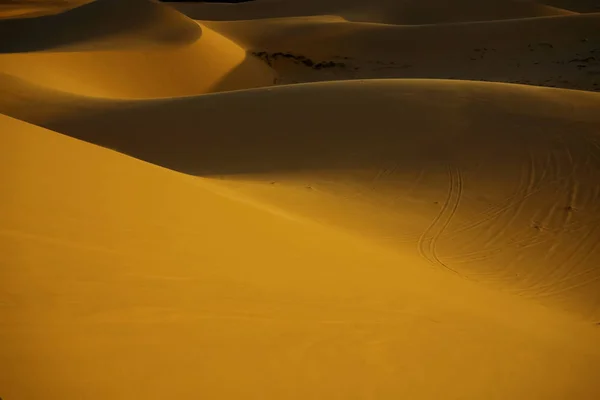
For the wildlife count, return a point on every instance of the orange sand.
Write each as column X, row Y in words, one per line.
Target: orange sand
column 289, row 199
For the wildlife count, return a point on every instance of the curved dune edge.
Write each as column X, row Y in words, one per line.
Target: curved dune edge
column 151, row 55
column 415, row 166
column 132, row 22
column 137, row 266
column 407, row 12
column 213, row 63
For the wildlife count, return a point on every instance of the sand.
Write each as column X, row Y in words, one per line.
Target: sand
column 167, row 53
column 311, row 200
column 404, row 12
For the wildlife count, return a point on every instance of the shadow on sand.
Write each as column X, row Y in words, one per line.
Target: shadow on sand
column 303, row 127
column 89, row 22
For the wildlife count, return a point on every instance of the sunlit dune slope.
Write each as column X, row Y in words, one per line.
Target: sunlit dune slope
column 409, row 12
column 557, row 51
column 496, row 182
column 121, row 279
column 131, row 49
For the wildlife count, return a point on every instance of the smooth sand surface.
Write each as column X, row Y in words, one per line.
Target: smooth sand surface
column 122, row 279
column 410, row 12
column 300, row 200
column 146, row 50
column 514, row 203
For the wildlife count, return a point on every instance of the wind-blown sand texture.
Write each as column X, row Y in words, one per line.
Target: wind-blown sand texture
column 285, row 199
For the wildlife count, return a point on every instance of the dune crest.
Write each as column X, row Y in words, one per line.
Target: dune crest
column 147, row 50
column 100, row 23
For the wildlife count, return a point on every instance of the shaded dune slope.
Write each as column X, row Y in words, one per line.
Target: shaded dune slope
column 409, row 12
column 576, row 5
column 133, row 21
column 556, row 51
column 29, row 9
column 110, row 261
column 147, row 50
column 496, row 182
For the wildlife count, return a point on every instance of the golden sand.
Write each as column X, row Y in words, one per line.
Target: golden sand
column 288, row 199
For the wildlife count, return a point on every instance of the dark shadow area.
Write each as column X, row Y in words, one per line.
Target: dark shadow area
column 304, row 127
column 94, row 21
column 583, row 6
column 269, row 57
column 559, row 52
column 207, row 1
column 406, row 12
column 248, row 10
column 250, row 73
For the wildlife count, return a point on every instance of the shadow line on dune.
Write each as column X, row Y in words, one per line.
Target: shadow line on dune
column 85, row 23
column 301, row 127
column 239, row 76
column 380, row 132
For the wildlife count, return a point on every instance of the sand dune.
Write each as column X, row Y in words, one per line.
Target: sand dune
column 35, row 8
column 132, row 22
column 514, row 202
column 225, row 201
column 148, row 50
column 576, row 5
column 558, row 52
column 119, row 280
column 409, row 12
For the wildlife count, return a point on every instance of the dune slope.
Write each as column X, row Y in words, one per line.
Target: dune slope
column 576, row 5
column 499, row 183
column 408, row 12
column 242, row 201
column 558, row 51
column 131, row 49
column 133, row 21
column 121, row 279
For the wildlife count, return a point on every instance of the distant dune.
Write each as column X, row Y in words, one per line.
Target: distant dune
column 300, row 199
column 148, row 50
column 576, row 5
column 410, row 12
column 131, row 22
column 557, row 52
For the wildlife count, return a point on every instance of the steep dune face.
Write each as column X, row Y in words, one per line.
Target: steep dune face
column 123, row 279
column 559, row 51
column 494, row 182
column 127, row 49
column 409, row 12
